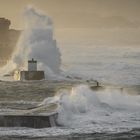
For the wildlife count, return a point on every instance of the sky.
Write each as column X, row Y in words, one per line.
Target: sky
column 102, row 21
column 78, row 13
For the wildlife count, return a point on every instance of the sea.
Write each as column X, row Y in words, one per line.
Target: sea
column 109, row 114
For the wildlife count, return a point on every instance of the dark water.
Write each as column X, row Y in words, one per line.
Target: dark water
column 131, row 135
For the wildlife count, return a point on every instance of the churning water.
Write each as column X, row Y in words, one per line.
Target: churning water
column 85, row 113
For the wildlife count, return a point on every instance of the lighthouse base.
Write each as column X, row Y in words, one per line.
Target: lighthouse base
column 29, row 75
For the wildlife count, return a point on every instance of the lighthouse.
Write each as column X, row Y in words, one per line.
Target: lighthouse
column 31, row 74
column 32, row 65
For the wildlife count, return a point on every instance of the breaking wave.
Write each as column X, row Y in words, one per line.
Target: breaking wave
column 108, row 109
column 83, row 110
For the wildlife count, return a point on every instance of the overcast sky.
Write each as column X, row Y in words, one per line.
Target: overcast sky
column 101, row 18
column 78, row 13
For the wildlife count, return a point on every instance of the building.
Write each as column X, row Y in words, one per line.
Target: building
column 31, row 74
column 8, row 40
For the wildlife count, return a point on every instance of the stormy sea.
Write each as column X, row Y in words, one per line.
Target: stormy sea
column 111, row 111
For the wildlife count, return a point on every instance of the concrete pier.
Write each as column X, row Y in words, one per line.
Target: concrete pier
column 33, row 116
column 28, row 121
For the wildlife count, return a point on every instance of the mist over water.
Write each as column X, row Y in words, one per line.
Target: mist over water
column 117, row 65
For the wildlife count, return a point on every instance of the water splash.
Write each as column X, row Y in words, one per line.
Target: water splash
column 105, row 109
column 36, row 41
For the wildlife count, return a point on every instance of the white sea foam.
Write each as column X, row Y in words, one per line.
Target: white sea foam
column 86, row 111
column 108, row 108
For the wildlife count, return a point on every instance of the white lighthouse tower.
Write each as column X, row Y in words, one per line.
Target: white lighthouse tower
column 32, row 65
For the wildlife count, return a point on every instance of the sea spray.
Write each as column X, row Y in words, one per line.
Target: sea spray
column 98, row 109
column 36, row 41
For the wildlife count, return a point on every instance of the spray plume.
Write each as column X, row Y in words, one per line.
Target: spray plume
column 36, row 41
